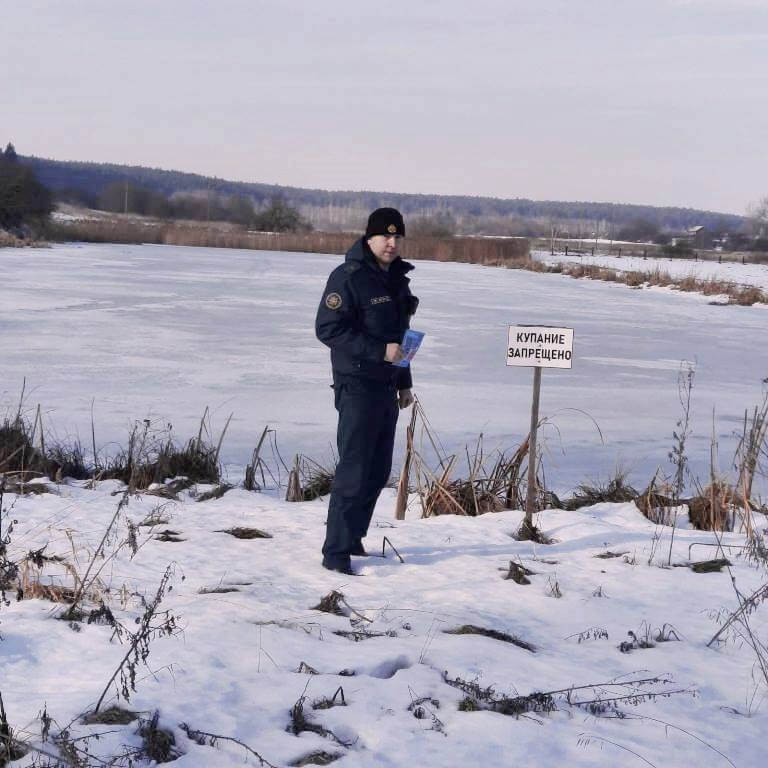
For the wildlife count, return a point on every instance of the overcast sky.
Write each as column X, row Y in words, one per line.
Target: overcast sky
column 645, row 101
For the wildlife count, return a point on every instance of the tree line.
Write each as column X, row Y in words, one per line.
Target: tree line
column 125, row 197
column 24, row 201
column 344, row 209
column 27, row 203
column 264, row 207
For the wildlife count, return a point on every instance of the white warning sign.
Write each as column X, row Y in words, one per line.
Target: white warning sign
column 540, row 345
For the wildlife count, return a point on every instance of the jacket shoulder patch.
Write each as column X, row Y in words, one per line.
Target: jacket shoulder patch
column 333, row 301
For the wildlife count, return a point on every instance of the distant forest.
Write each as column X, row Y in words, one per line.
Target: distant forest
column 153, row 191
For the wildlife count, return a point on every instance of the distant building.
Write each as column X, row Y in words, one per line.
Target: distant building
column 696, row 237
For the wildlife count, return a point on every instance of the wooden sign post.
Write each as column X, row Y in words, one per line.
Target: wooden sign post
column 537, row 346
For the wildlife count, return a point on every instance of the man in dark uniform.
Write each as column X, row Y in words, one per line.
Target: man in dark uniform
column 364, row 312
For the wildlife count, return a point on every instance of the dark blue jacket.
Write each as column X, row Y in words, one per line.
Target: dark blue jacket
column 362, row 310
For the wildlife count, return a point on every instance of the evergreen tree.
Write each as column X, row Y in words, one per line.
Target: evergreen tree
column 22, row 197
column 10, row 153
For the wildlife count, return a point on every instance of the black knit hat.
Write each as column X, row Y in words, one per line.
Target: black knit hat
column 385, row 221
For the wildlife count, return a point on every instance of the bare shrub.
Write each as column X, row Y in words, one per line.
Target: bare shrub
column 144, row 463
column 616, row 490
column 158, row 744
column 317, row 480
column 151, row 455
column 20, row 457
column 31, row 586
column 747, row 295
column 493, row 484
column 713, row 508
column 67, row 460
column 308, row 480
column 17, row 452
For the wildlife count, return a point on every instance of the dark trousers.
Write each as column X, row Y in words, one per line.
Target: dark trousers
column 365, row 439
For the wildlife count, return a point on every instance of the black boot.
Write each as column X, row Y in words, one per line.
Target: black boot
column 341, row 566
column 358, row 549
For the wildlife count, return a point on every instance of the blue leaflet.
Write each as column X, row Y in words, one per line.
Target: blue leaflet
column 411, row 343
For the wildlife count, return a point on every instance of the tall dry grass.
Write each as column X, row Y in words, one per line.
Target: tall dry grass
column 7, row 240
column 488, row 251
column 743, row 295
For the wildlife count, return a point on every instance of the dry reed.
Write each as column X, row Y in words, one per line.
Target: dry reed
column 472, row 250
column 743, row 295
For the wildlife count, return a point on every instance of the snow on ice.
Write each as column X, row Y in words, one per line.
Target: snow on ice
column 162, row 332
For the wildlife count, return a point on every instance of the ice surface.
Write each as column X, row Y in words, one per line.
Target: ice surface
column 164, row 331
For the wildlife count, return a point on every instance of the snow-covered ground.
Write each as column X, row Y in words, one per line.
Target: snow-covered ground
column 163, row 332
column 728, row 271
column 242, row 658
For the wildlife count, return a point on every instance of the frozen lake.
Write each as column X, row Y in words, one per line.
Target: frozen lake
column 162, row 332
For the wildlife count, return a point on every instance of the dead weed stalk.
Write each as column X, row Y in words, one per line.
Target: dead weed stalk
column 491, row 485
column 300, row 723
column 152, row 623
column 203, row 738
column 599, row 699
column 309, row 480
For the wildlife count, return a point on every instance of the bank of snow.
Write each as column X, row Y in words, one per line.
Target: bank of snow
column 234, row 669
column 728, row 271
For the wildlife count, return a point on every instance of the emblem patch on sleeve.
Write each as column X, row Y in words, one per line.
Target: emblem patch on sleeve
column 333, row 301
